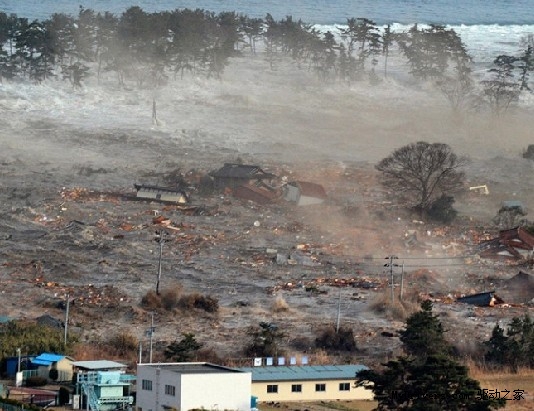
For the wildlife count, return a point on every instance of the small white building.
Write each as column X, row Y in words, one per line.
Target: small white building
column 186, row 386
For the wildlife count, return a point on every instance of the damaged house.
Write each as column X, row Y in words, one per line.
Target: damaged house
column 304, row 193
column 233, row 175
column 161, row 194
column 513, row 244
column 260, row 194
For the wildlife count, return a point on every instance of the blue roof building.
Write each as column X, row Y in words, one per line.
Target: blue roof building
column 46, row 362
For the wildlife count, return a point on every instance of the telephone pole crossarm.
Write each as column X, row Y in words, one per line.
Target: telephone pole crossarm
column 391, row 265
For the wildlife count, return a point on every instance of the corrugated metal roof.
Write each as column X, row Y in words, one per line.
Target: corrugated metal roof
column 99, row 365
column 42, row 362
column 300, row 373
column 47, row 359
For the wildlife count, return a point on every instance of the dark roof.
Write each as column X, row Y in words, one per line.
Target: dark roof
column 48, row 320
column 232, row 170
column 99, row 365
column 193, row 368
column 481, row 299
column 512, row 204
column 309, row 189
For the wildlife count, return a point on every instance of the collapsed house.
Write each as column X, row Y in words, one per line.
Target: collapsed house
column 233, row 175
column 161, row 194
column 257, row 193
column 513, row 244
column 304, row 193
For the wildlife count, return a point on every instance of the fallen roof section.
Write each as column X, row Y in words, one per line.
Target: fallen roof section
column 485, row 299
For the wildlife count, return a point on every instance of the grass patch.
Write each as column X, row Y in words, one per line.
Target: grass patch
column 503, row 380
column 356, row 405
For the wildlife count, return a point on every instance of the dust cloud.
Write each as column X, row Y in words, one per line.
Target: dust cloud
column 105, row 137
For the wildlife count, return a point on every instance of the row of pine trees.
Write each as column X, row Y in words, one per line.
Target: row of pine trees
column 151, row 49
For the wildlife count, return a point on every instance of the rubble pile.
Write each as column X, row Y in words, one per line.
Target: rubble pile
column 103, row 250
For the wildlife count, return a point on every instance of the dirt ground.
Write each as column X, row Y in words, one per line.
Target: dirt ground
column 69, row 160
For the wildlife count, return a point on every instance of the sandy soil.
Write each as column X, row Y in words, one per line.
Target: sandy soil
column 70, row 156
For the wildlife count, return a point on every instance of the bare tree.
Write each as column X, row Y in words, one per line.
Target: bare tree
column 421, row 172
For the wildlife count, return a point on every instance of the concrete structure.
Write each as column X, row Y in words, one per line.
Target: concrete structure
column 186, row 386
column 304, row 193
column 103, row 385
column 307, row 383
column 163, row 194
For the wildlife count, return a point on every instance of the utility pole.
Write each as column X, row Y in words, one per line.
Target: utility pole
column 338, row 311
column 151, row 334
column 140, row 352
column 66, row 319
column 391, row 265
column 161, row 239
column 18, row 363
column 402, row 281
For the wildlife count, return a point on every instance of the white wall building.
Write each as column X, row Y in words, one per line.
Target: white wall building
column 186, row 386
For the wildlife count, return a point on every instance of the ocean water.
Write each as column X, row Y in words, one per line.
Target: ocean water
column 488, row 28
column 452, row 12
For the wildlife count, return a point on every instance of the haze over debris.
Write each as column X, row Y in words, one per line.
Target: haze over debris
column 70, row 156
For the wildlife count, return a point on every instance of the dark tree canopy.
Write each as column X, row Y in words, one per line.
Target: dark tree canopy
column 33, row 337
column 422, row 172
column 332, row 339
column 183, row 350
column 265, row 340
column 515, row 348
column 424, row 334
column 429, row 378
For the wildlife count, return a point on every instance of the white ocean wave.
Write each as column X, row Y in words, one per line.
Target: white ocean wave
column 484, row 42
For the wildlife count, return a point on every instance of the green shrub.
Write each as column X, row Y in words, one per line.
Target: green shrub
column 196, row 300
column 151, row 301
column 342, row 340
column 442, row 210
column 123, row 343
